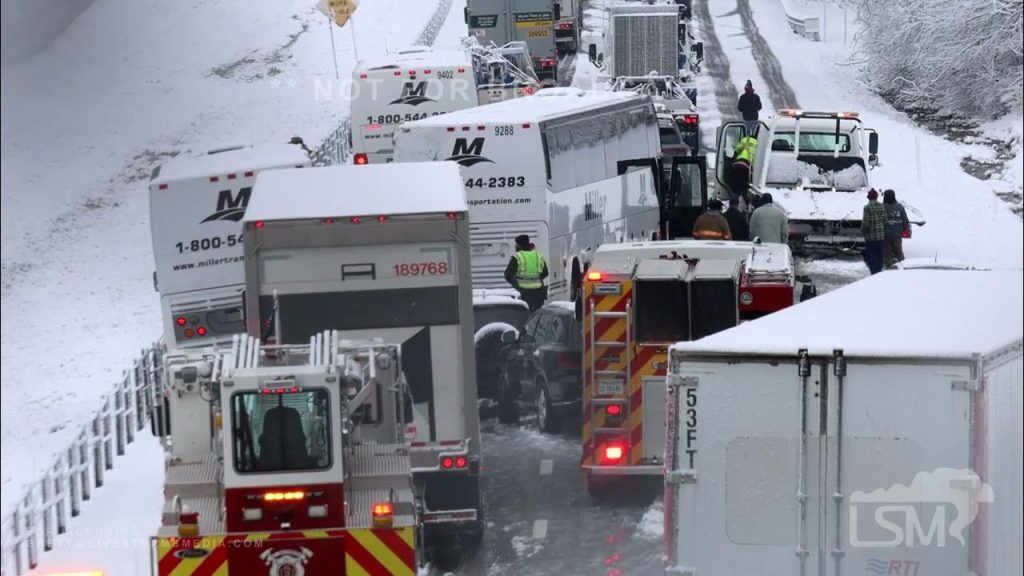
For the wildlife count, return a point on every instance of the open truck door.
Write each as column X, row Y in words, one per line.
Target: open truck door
column 685, row 196
column 729, row 134
column 660, row 181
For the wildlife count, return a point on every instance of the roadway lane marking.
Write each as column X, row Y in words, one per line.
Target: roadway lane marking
column 540, row 529
column 546, row 466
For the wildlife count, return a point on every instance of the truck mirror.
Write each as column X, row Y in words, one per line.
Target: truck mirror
column 600, row 59
column 698, row 51
column 407, row 407
column 592, row 52
column 872, row 160
column 558, row 11
column 465, row 14
column 873, row 143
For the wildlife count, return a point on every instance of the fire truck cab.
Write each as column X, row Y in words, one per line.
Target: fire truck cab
column 287, row 460
column 640, row 298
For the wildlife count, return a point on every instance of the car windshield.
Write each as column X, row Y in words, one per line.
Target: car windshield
column 811, row 142
column 842, row 173
column 511, row 314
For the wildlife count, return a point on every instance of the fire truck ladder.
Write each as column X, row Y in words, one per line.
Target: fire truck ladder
column 623, row 375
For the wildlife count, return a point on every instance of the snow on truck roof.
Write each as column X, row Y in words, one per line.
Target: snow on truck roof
column 765, row 257
column 417, row 56
column 544, row 105
column 905, row 314
column 407, row 188
column 230, row 161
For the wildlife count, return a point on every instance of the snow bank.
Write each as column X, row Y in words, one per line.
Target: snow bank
column 965, row 220
column 29, row 26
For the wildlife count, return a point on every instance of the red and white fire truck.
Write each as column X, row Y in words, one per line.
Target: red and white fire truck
column 638, row 299
column 288, row 460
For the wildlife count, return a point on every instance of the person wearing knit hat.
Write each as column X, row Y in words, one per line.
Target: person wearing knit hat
column 526, row 272
column 897, row 225
column 749, row 105
column 872, row 227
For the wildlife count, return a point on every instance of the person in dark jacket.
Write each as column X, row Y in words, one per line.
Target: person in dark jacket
column 526, row 272
column 896, row 225
column 737, row 221
column 749, row 105
column 872, row 227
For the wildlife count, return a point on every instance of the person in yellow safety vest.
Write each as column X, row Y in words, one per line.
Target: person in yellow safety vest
column 526, row 272
column 712, row 225
column 743, row 157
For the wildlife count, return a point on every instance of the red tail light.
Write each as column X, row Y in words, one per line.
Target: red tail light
column 691, row 119
column 565, row 26
column 355, row 219
column 447, row 462
column 201, row 331
column 594, row 276
column 361, row 159
column 613, row 410
column 260, row 224
column 460, row 462
column 180, row 321
column 614, row 452
column 452, row 215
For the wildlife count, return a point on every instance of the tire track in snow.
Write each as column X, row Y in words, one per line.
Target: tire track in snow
column 781, row 94
column 715, row 61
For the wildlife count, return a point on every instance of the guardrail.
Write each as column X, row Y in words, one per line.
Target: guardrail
column 807, row 26
column 43, row 510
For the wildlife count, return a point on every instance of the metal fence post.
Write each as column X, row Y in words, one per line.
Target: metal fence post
column 60, row 508
column 97, row 452
column 120, row 403
column 47, row 516
column 108, row 441
column 73, row 481
column 30, row 534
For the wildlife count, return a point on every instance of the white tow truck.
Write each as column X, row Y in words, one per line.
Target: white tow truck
column 873, row 430
column 196, row 204
column 348, row 248
column 817, row 167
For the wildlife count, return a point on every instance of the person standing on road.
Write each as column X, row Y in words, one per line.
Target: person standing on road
column 769, row 222
column 872, row 227
column 896, row 225
column 711, row 225
column 749, row 106
column 737, row 221
column 526, row 272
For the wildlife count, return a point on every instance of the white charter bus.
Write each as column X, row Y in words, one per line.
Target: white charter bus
column 411, row 84
column 557, row 166
column 196, row 204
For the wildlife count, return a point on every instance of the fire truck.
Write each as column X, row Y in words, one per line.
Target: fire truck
column 640, row 298
column 288, row 459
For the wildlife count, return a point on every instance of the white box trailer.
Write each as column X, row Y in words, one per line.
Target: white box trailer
column 196, row 205
column 349, row 248
column 549, row 166
column 414, row 83
column 873, row 430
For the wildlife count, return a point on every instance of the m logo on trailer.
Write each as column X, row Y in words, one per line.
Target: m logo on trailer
column 230, row 206
column 466, row 153
column 413, row 94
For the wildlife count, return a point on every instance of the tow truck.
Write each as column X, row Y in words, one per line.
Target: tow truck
column 817, row 167
column 639, row 299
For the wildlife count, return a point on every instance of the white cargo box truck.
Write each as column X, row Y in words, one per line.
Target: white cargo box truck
column 350, row 248
column 196, row 204
column 873, row 430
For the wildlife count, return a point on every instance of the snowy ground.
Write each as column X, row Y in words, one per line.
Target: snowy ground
column 76, row 290
column 84, row 123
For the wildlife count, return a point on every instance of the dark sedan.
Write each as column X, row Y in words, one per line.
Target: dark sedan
column 541, row 368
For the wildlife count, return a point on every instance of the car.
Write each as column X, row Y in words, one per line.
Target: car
column 494, row 312
column 671, row 138
column 541, row 368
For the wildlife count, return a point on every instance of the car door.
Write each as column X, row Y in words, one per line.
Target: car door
column 538, row 350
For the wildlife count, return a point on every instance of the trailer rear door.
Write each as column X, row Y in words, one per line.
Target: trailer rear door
column 819, row 467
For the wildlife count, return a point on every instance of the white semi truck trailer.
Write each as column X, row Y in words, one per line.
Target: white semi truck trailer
column 873, row 430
